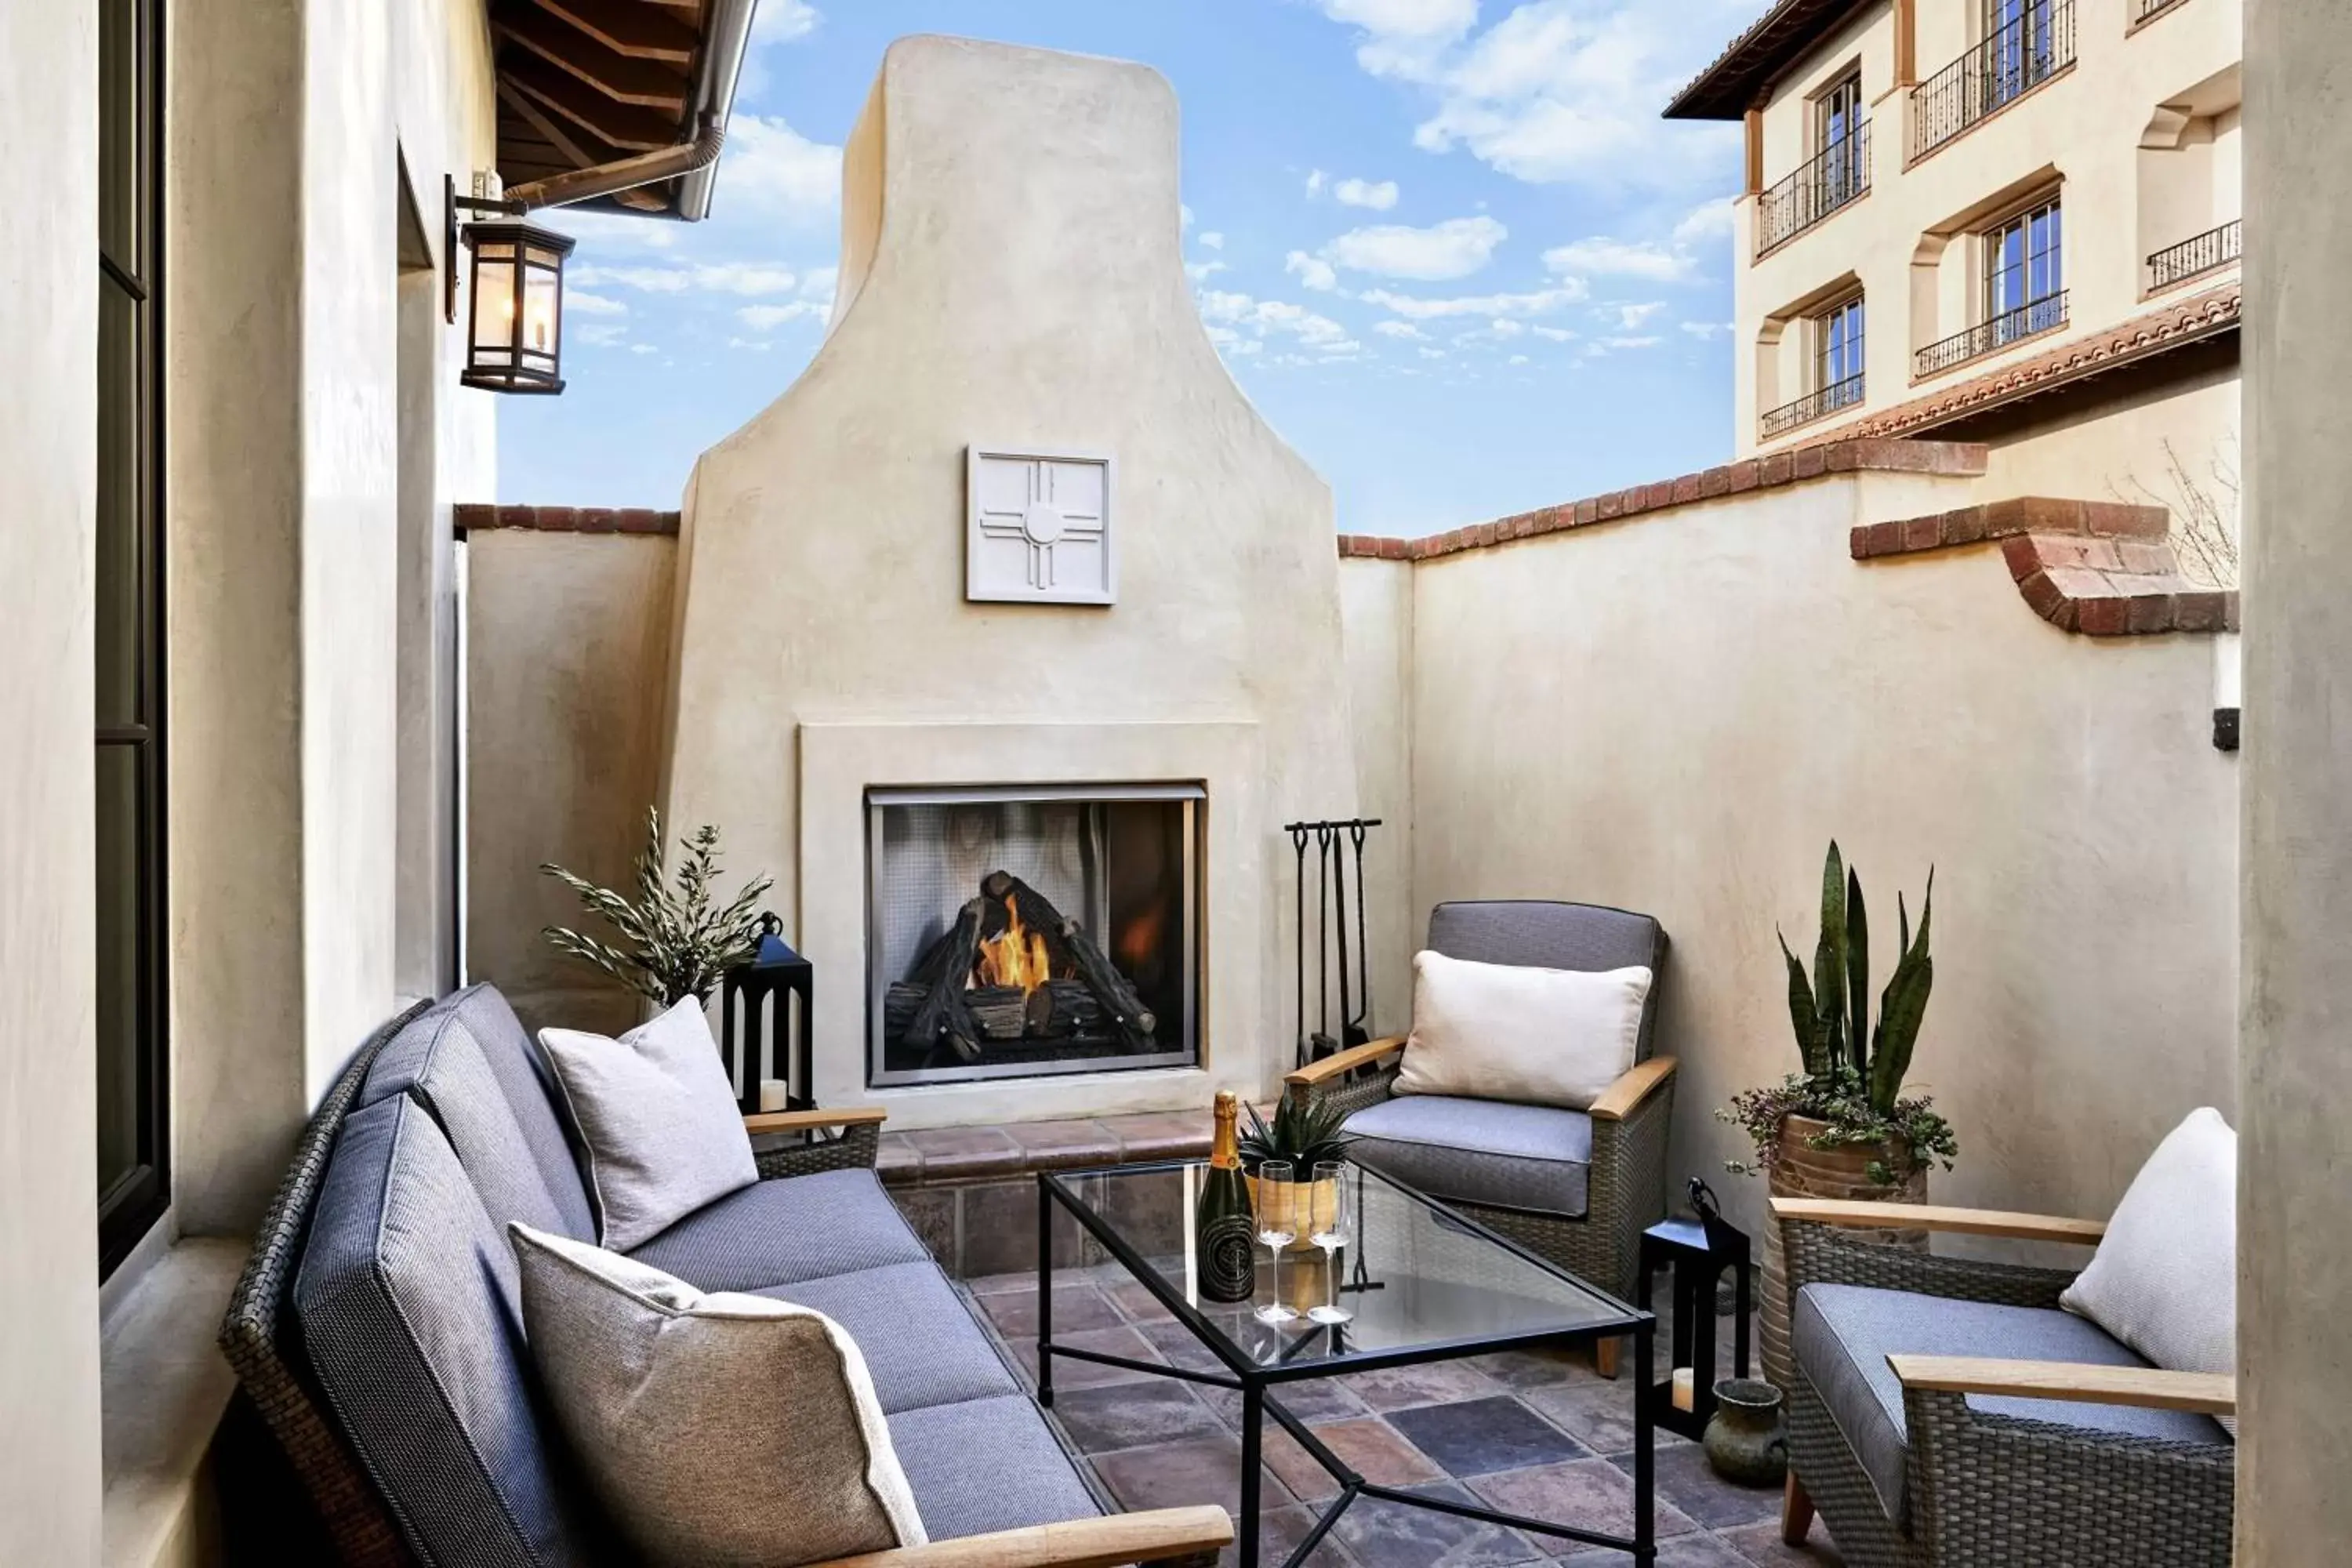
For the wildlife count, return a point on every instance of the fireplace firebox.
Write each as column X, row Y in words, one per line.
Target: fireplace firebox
column 1032, row 930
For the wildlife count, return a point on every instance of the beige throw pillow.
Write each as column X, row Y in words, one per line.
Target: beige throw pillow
column 1534, row 1037
column 657, row 1117
column 718, row 1430
column 2164, row 1278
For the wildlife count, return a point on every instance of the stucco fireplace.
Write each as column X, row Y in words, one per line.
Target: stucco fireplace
column 1031, row 930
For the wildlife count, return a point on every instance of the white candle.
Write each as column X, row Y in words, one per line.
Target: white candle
column 774, row 1094
column 1683, row 1389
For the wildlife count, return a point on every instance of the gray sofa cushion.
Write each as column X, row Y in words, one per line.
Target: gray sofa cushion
column 984, row 1465
column 1480, row 1150
column 920, row 1344
column 470, row 1062
column 1842, row 1335
column 1548, row 935
column 408, row 1304
column 785, row 1231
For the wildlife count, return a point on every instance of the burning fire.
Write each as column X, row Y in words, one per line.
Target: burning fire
column 1015, row 956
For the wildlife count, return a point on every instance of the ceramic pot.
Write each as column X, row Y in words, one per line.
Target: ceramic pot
column 1302, row 1203
column 1743, row 1440
column 1841, row 1170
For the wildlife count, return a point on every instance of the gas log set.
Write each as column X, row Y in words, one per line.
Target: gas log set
column 1012, row 976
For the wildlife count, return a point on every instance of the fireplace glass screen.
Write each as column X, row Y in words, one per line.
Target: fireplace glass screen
column 1024, row 931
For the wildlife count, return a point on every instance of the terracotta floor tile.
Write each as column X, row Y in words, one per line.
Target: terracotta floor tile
column 1388, row 1535
column 1133, row 1414
column 1761, row 1544
column 1368, row 1445
column 1590, row 1494
column 1068, row 1374
column 1433, row 1382
column 1477, row 1437
column 1685, row 1480
column 1076, row 1306
column 1178, row 1474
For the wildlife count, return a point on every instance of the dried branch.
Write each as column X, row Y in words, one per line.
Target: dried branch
column 674, row 943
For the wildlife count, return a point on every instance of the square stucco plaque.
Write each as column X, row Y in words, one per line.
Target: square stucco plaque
column 1038, row 527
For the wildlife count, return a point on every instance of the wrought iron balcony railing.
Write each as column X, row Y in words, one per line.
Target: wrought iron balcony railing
column 2143, row 9
column 1846, row 394
column 2013, row 59
column 2034, row 317
column 2203, row 253
column 1825, row 182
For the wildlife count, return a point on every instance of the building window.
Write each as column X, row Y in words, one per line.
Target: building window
column 1837, row 112
column 132, row 1125
column 2024, row 278
column 1837, row 355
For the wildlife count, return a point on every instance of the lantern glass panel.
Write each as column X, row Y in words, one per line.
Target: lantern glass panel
column 494, row 304
column 542, row 294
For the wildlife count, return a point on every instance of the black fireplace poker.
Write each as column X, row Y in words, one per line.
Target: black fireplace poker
column 1334, row 840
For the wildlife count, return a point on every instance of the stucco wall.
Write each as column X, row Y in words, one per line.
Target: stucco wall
column 1376, row 602
column 1024, row 284
column 566, row 636
column 282, row 546
column 49, row 422
column 2294, row 1279
column 1677, row 714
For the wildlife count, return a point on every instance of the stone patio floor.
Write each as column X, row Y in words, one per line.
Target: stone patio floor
column 1540, row 1434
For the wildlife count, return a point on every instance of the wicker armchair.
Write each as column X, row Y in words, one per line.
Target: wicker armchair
column 1594, row 1235
column 1985, row 1483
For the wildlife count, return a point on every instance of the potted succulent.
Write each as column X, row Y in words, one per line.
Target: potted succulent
column 1305, row 1132
column 1842, row 1128
column 677, row 940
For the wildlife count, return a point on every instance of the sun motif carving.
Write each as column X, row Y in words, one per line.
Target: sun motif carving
column 1039, row 528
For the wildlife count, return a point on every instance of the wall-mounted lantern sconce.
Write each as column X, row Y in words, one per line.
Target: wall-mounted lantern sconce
column 514, row 334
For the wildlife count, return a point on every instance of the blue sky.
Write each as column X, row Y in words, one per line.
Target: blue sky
column 1446, row 245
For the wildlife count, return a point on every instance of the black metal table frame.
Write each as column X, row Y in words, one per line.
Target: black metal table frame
column 1254, row 1381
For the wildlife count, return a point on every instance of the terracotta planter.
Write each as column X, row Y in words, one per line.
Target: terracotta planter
column 1840, row 1172
column 1302, row 1203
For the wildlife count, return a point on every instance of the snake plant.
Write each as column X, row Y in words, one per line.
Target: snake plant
column 1305, row 1132
column 1829, row 1008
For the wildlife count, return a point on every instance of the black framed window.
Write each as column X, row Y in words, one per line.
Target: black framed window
column 2025, row 272
column 132, row 1125
column 1837, row 355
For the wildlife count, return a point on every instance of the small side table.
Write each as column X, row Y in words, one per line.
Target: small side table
column 1697, row 1250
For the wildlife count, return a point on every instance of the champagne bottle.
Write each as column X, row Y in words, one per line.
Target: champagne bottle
column 1225, row 1238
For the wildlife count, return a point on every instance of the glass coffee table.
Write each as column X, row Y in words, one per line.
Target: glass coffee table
column 1422, row 1284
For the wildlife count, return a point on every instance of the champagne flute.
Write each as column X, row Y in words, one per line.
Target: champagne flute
column 1329, row 1228
column 1277, row 1227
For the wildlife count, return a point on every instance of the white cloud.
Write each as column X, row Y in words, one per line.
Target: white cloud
column 756, row 345
column 1708, row 221
column 642, row 349
column 1455, row 249
column 1601, row 256
column 1263, row 317
column 606, row 229
column 1557, row 89
column 1631, row 318
column 1539, row 302
column 1704, row 329
column 599, row 334
column 783, row 21
column 578, row 301
column 1517, row 359
column 1311, row 270
column 1433, row 353
column 1378, row 197
column 1504, row 327
column 1556, row 334
column 773, row 171
column 717, row 277
column 767, row 318
column 1183, row 216
column 1202, row 272
column 1622, row 342
column 1398, row 330
column 1214, row 240
column 1315, row 179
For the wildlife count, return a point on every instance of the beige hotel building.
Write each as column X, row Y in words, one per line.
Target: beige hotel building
column 2010, row 221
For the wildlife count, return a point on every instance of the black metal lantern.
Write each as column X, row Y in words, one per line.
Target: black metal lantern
column 776, row 973
column 514, row 336
column 1697, row 1250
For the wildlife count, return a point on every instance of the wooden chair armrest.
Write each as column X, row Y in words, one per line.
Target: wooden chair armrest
column 2153, row 1388
column 1932, row 1216
column 759, row 1121
column 1635, row 1085
column 1340, row 1063
column 1107, row 1543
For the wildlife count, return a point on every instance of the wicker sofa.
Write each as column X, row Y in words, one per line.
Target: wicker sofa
column 377, row 1328
column 1946, row 1413
column 1577, row 1188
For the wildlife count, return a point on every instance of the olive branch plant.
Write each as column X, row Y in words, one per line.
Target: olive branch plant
column 676, row 939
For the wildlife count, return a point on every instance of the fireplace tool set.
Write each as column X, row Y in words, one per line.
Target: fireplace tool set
column 1337, row 844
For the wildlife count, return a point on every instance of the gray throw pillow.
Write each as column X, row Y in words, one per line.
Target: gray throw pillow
column 718, row 1430
column 658, row 1118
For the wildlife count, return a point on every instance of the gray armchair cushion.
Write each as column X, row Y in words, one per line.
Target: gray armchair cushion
column 987, row 1464
column 408, row 1301
column 1842, row 1335
column 1534, row 1157
column 920, row 1344
column 784, row 1231
column 1546, row 934
column 470, row 1061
